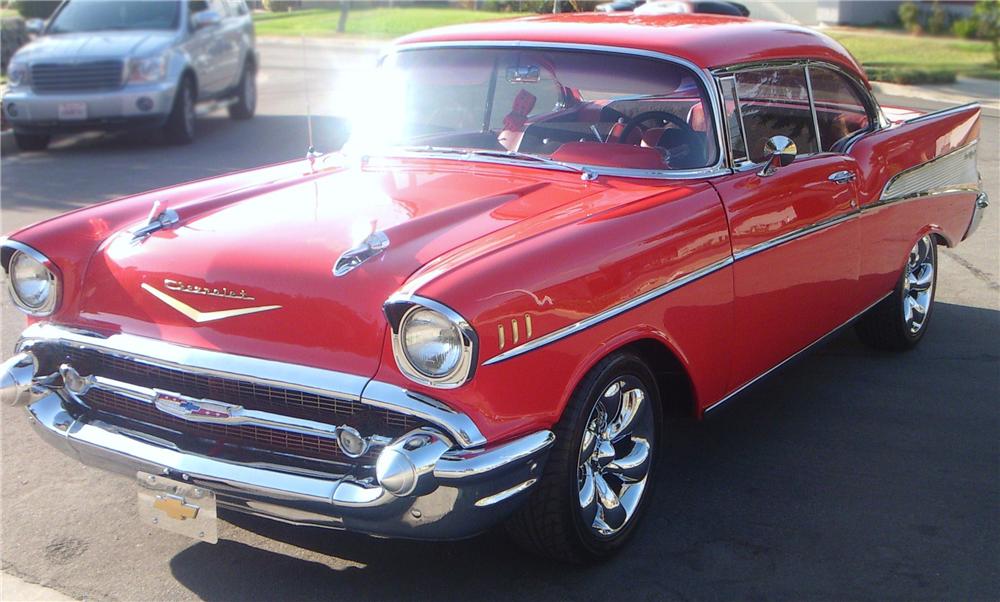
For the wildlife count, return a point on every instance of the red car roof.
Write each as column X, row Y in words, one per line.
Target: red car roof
column 708, row 41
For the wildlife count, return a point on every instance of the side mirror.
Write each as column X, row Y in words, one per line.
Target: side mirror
column 205, row 18
column 34, row 26
column 780, row 151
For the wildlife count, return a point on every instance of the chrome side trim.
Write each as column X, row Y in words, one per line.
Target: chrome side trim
column 941, row 113
column 790, row 236
column 503, row 495
column 607, row 314
column 704, row 76
column 391, row 397
column 205, row 362
column 757, row 378
column 953, row 170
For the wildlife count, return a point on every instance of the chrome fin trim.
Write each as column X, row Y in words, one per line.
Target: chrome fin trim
column 942, row 112
column 955, row 170
column 794, row 235
column 612, row 312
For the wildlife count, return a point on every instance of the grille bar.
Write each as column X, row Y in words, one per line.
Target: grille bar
column 86, row 76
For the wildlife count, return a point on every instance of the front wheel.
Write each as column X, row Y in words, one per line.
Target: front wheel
column 600, row 472
column 31, row 142
column 179, row 128
column 899, row 322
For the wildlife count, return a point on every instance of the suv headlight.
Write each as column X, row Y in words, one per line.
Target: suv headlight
column 33, row 286
column 17, row 74
column 432, row 344
column 147, row 70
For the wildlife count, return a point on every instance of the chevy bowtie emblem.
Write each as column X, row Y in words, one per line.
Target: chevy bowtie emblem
column 204, row 316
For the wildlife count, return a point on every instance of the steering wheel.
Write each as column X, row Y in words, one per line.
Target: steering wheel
column 663, row 117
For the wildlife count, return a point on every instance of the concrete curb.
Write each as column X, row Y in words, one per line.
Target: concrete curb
column 340, row 43
column 15, row 588
column 935, row 93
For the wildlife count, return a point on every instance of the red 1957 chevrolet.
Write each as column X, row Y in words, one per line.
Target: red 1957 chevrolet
column 547, row 235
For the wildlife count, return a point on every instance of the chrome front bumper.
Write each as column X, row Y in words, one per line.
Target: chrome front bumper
column 464, row 493
column 440, row 479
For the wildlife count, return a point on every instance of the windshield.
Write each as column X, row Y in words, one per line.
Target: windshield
column 104, row 15
column 573, row 106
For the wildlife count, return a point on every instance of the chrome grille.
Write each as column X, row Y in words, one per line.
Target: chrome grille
column 87, row 76
column 251, row 395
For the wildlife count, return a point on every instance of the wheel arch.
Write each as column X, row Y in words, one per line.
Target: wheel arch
column 678, row 395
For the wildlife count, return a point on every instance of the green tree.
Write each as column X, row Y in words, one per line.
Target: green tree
column 988, row 14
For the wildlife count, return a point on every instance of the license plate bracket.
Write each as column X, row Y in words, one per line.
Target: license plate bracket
column 72, row 111
column 178, row 507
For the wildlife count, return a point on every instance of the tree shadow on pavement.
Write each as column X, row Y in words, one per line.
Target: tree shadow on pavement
column 853, row 474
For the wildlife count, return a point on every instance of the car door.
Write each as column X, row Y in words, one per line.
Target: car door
column 795, row 240
column 226, row 50
column 199, row 48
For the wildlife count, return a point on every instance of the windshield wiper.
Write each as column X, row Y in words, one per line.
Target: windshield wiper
column 585, row 172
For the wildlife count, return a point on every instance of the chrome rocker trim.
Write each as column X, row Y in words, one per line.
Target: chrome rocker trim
column 457, row 494
column 267, row 372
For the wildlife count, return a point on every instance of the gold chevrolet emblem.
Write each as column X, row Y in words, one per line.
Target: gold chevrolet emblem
column 175, row 508
column 204, row 316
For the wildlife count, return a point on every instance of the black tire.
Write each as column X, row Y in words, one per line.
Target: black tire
column 885, row 326
column 180, row 126
column 246, row 100
column 550, row 523
column 32, row 142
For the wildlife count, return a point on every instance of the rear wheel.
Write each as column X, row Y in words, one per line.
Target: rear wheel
column 31, row 142
column 180, row 126
column 599, row 474
column 246, row 101
column 899, row 322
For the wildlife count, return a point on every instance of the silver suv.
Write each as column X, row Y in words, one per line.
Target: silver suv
column 113, row 64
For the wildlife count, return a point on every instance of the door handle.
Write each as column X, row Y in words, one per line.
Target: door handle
column 841, row 177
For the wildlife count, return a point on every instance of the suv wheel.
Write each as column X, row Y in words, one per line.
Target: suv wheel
column 246, row 101
column 179, row 128
column 31, row 142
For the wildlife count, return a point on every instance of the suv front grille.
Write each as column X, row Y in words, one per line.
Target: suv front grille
column 88, row 76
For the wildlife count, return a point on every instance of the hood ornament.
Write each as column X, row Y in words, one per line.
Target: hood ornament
column 355, row 256
column 157, row 220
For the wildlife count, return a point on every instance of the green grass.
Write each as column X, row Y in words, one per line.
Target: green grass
column 374, row 22
column 907, row 59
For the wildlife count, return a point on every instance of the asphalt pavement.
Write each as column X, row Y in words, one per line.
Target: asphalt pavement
column 850, row 475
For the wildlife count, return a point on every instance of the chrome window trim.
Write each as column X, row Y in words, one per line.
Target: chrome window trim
column 704, row 75
column 812, row 108
column 398, row 307
column 609, row 313
column 55, row 278
column 730, row 155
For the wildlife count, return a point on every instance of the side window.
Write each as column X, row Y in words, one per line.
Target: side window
column 734, row 125
column 840, row 108
column 775, row 102
column 196, row 6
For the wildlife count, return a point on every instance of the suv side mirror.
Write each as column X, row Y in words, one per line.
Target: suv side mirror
column 780, row 151
column 205, row 18
column 34, row 26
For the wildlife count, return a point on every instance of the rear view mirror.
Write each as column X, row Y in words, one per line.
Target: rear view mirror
column 206, row 18
column 34, row 26
column 780, row 151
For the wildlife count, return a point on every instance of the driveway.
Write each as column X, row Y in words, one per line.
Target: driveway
column 850, row 475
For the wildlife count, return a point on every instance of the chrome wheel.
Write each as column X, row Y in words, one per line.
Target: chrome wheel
column 918, row 286
column 615, row 456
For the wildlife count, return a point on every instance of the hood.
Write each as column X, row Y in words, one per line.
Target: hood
column 93, row 45
column 251, row 272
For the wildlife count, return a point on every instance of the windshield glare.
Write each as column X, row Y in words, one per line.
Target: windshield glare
column 574, row 106
column 110, row 15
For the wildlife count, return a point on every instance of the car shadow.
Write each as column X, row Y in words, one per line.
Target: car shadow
column 63, row 177
column 851, row 474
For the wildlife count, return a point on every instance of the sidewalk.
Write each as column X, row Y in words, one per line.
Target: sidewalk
column 14, row 589
column 966, row 89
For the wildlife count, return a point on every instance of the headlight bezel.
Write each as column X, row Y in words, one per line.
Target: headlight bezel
column 400, row 310
column 136, row 66
column 51, row 303
column 24, row 74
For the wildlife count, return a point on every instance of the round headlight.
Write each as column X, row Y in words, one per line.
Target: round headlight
column 33, row 285
column 431, row 342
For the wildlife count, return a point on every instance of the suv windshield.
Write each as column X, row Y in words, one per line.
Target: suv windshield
column 572, row 106
column 104, row 15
